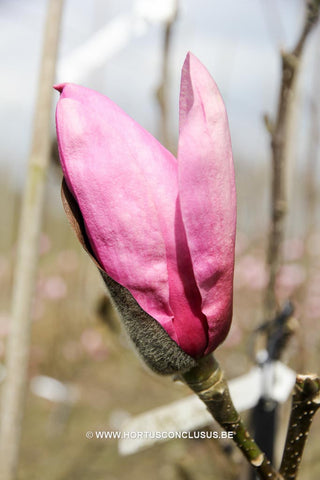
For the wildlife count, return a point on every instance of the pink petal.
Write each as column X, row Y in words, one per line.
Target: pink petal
column 112, row 167
column 207, row 194
column 125, row 184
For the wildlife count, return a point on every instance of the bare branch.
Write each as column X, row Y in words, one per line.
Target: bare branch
column 280, row 140
column 305, row 403
column 162, row 90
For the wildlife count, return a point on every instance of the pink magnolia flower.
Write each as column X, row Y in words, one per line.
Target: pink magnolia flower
column 160, row 226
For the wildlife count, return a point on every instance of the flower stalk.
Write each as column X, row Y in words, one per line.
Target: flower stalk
column 208, row 382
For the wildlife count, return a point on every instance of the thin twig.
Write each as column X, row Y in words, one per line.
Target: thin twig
column 18, row 347
column 305, row 403
column 313, row 142
column 162, row 90
column 280, row 140
column 311, row 186
column 208, row 382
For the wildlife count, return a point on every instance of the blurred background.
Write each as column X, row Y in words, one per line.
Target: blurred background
column 117, row 48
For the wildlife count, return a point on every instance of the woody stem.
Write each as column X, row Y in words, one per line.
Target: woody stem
column 208, row 382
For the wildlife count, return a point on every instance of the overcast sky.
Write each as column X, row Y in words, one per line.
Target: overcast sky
column 237, row 41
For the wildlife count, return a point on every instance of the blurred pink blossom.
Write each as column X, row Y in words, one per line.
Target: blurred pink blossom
column 312, row 306
column 290, row 277
column 235, row 335
column 250, row 271
column 53, row 287
column 45, row 244
column 4, row 266
column 292, row 249
column 4, row 324
column 68, row 260
column 93, row 344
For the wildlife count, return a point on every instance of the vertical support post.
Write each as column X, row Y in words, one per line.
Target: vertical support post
column 18, row 346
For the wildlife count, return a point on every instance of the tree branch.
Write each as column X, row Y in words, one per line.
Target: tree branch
column 305, row 403
column 280, row 140
column 162, row 90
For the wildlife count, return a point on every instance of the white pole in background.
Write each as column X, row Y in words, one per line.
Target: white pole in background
column 18, row 346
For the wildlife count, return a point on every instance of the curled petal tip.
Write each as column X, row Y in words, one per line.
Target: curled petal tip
column 59, row 87
column 191, row 60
